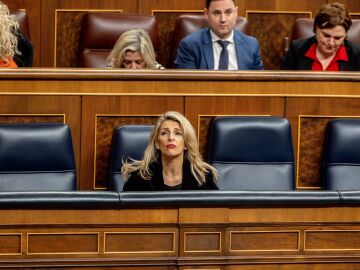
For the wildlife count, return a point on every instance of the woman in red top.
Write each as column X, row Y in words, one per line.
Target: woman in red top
column 328, row 50
column 8, row 39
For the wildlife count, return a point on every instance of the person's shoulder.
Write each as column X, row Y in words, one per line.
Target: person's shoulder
column 240, row 35
column 135, row 175
column 353, row 46
column 249, row 43
column 243, row 35
column 210, row 181
column 135, row 182
column 304, row 42
column 196, row 36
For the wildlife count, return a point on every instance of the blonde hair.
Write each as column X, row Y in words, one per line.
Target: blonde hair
column 8, row 39
column 198, row 167
column 136, row 40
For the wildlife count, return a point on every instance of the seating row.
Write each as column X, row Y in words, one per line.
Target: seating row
column 100, row 30
column 250, row 153
column 115, row 200
column 256, row 153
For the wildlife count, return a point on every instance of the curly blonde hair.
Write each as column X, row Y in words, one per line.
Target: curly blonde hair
column 198, row 167
column 8, row 39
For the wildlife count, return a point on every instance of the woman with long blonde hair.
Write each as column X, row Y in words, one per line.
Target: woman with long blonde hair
column 134, row 50
column 8, row 39
column 172, row 160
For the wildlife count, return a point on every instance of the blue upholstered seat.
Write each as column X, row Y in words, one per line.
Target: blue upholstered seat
column 36, row 157
column 252, row 153
column 128, row 141
column 341, row 157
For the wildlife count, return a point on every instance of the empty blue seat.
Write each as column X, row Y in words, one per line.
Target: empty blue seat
column 128, row 141
column 36, row 157
column 341, row 157
column 252, row 153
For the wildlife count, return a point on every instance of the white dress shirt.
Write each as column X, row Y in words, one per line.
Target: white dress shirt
column 233, row 65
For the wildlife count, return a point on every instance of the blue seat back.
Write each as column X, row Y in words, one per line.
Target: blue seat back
column 252, row 153
column 128, row 141
column 341, row 156
column 36, row 157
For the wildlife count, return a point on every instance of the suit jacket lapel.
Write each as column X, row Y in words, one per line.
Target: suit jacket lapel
column 239, row 48
column 208, row 49
column 344, row 66
column 305, row 63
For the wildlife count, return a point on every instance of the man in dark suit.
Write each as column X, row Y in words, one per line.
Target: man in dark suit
column 220, row 46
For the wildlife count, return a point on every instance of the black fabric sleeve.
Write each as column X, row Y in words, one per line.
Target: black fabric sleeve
column 210, row 182
column 25, row 59
column 289, row 62
column 136, row 183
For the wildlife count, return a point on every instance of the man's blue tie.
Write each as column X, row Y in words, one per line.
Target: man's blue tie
column 224, row 56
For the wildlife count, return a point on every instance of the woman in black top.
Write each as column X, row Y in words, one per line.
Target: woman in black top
column 171, row 160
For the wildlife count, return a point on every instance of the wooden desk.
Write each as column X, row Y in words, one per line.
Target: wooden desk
column 92, row 102
column 248, row 237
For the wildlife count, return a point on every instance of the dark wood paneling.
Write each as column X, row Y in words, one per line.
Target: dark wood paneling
column 311, row 141
column 146, row 243
column 352, row 5
column 276, row 28
column 10, row 244
column 312, row 131
column 334, row 240
column 68, row 35
column 30, row 118
column 290, row 237
column 166, row 13
column 126, row 110
column 148, row 6
column 166, row 25
column 204, row 242
column 63, row 243
column 260, row 241
column 279, row 5
column 68, row 27
column 105, row 125
column 201, row 110
column 48, row 22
